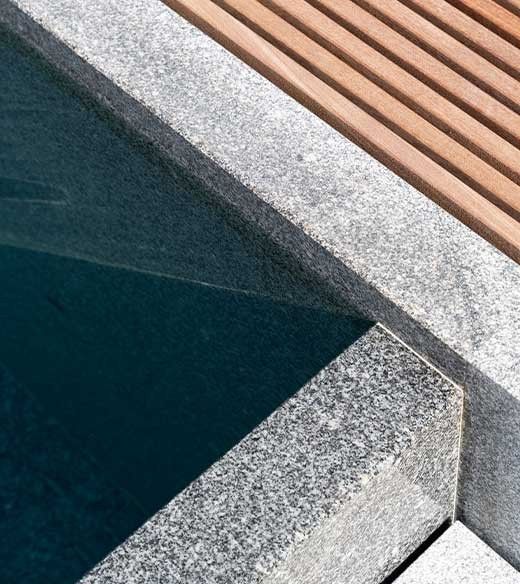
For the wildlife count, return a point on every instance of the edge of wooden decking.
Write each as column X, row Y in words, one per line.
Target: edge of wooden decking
column 332, row 60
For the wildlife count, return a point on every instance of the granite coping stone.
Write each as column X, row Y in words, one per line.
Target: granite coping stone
column 346, row 218
column 339, row 484
column 459, row 557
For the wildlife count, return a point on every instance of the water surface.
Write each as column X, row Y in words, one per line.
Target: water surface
column 144, row 329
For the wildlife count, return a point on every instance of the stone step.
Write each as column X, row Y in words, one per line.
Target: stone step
column 459, row 557
column 340, row 484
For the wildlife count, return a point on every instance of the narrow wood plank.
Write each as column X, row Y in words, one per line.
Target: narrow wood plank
column 422, row 65
column 449, row 50
column 401, row 119
column 499, row 19
column 355, row 123
column 468, row 31
column 401, row 84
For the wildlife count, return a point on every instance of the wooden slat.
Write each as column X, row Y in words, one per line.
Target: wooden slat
column 477, row 36
column 494, row 16
column 448, row 49
column 404, row 121
column 422, row 65
column 355, row 123
column 401, row 84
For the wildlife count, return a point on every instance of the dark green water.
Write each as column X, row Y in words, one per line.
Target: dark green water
column 123, row 384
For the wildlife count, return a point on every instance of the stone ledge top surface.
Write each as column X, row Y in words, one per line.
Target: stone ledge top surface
column 459, row 557
column 350, row 424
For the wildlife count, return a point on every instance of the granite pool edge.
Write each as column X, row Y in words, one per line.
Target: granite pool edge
column 405, row 262
column 344, row 480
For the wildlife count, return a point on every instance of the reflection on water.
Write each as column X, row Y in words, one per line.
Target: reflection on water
column 133, row 379
column 73, row 182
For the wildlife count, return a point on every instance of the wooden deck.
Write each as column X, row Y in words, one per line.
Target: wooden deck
column 431, row 89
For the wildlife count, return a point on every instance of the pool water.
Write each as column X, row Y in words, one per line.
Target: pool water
column 143, row 331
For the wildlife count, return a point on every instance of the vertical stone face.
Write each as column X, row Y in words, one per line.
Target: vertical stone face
column 489, row 491
column 340, row 484
column 459, row 557
column 394, row 512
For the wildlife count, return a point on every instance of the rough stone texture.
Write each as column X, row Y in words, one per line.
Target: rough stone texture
column 372, row 237
column 340, row 484
column 459, row 557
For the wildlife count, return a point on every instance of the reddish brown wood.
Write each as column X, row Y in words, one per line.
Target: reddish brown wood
column 404, row 121
column 367, row 114
column 511, row 5
column 498, row 18
column 401, row 84
column 448, row 49
column 477, row 36
column 425, row 67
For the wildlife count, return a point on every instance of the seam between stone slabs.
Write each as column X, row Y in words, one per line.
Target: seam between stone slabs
column 357, row 226
column 421, row 357
column 459, row 456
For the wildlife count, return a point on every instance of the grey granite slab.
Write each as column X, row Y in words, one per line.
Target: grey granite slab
column 459, row 557
column 347, row 219
column 339, row 484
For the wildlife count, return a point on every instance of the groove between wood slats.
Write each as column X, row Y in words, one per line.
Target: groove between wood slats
column 402, row 120
column 355, row 123
column 401, row 84
column 449, row 50
column 511, row 5
column 494, row 16
column 469, row 32
column 425, row 67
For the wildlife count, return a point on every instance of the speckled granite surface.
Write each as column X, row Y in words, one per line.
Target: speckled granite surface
column 459, row 557
column 372, row 237
column 340, row 484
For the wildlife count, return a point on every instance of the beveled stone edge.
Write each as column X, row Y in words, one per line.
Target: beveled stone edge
column 269, row 471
